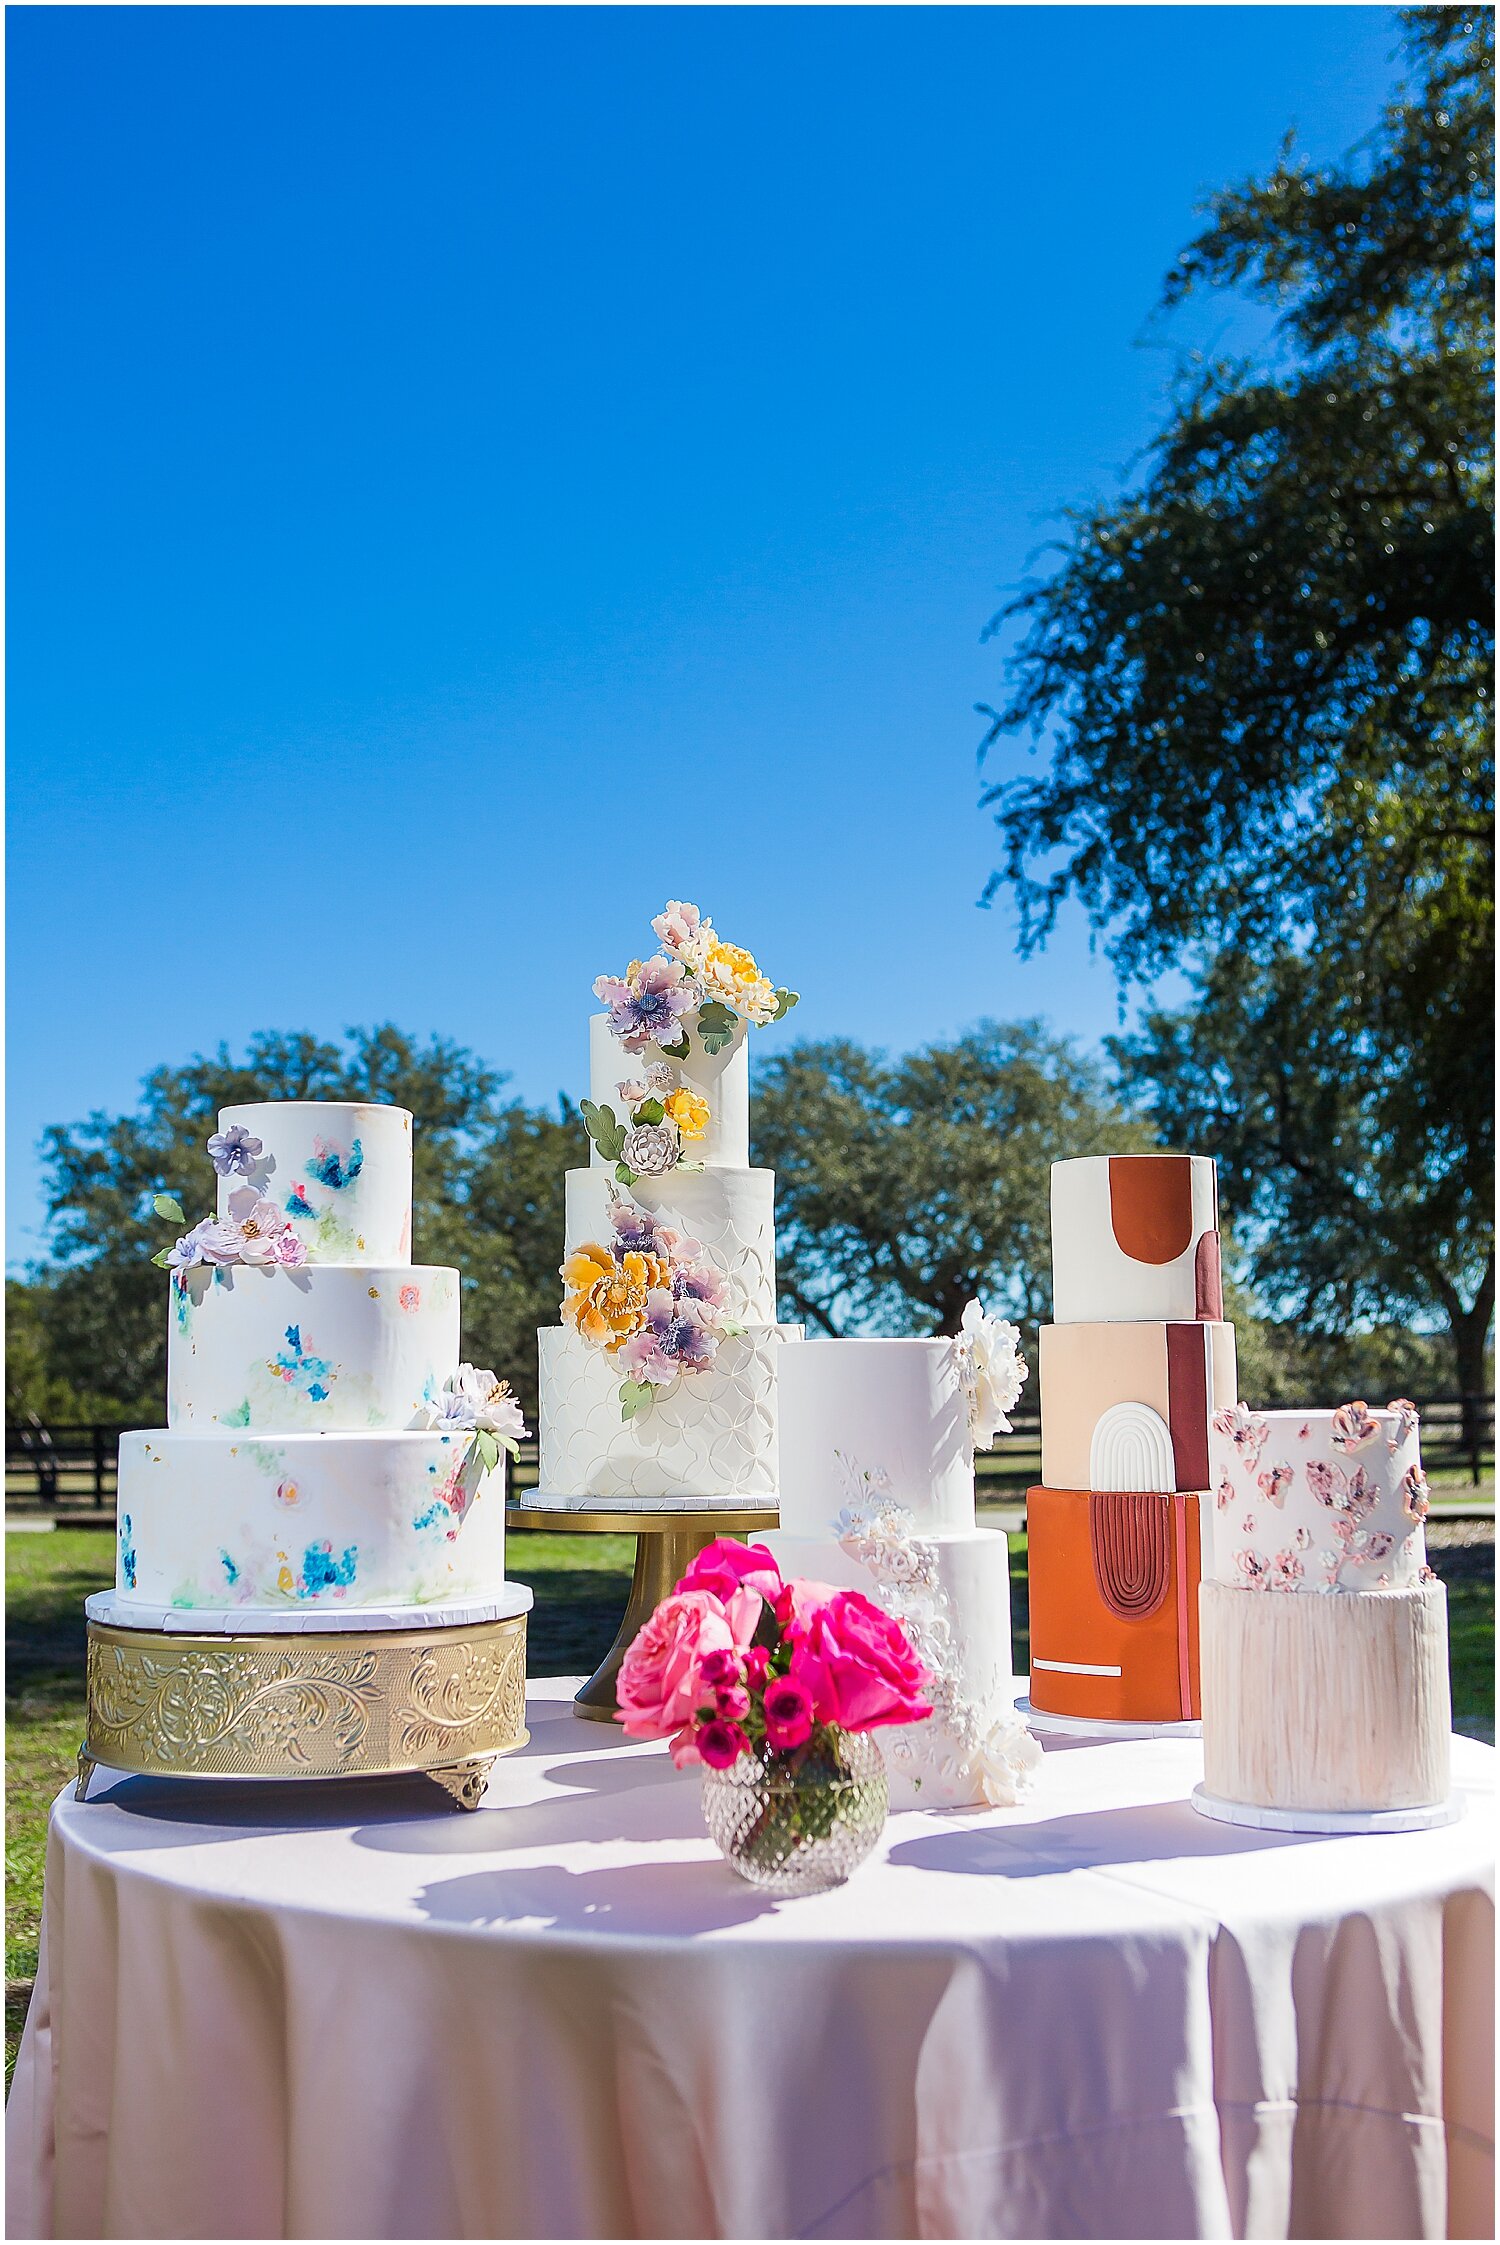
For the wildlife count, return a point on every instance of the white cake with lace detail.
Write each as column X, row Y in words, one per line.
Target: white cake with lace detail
column 877, row 1494
column 1323, row 1630
column 658, row 1389
column 324, row 1448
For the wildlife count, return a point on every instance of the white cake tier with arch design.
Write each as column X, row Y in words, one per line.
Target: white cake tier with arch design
column 340, row 1171
column 722, row 1078
column 306, row 1520
column 711, row 1434
column 1317, row 1501
column 324, row 1347
column 730, row 1212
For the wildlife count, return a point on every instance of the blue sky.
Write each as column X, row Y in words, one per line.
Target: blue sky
column 476, row 472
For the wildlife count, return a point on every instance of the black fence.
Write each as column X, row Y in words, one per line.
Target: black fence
column 74, row 1468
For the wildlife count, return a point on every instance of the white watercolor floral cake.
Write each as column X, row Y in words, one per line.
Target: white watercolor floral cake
column 324, row 1446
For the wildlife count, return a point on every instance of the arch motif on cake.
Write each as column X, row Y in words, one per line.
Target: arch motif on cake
column 1131, row 1450
column 1130, row 1542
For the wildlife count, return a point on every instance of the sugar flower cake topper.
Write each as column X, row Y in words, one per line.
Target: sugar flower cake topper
column 648, row 1297
column 696, row 983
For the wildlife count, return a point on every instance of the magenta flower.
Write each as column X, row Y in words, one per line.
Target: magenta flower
column 858, row 1666
column 727, row 1566
column 721, row 1666
column 720, row 1743
column 732, row 1702
column 789, row 1713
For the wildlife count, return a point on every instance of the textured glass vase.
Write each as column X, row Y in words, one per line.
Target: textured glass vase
column 792, row 1823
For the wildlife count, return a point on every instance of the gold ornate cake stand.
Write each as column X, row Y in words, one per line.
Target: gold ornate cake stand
column 666, row 1544
column 442, row 1701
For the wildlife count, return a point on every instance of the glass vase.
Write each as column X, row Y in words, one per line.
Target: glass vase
column 794, row 1822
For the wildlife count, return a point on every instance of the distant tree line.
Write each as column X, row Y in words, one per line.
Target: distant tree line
column 904, row 1186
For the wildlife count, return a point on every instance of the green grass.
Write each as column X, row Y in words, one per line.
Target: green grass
column 580, row 1583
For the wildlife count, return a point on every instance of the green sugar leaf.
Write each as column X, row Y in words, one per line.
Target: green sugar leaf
column 169, row 1208
column 785, row 1000
column 160, row 1259
column 624, row 1173
column 487, row 1448
column 650, row 1111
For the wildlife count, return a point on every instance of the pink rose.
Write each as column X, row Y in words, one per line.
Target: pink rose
column 757, row 1661
column 732, row 1701
column 858, row 1666
column 720, row 1743
column 720, row 1667
column 726, row 1565
column 789, row 1713
column 660, row 1685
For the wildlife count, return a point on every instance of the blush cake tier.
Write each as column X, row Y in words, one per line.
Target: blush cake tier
column 877, row 1494
column 1120, row 1398
column 658, row 1388
column 1325, row 1643
column 1136, row 1364
column 324, row 1447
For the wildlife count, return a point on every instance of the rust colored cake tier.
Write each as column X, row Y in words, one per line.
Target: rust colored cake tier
column 1114, row 1605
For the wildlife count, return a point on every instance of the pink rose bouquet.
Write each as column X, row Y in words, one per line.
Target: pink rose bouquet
column 738, row 1661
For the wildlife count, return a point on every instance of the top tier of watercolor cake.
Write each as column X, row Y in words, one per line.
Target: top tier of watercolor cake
column 324, row 1446
column 658, row 1387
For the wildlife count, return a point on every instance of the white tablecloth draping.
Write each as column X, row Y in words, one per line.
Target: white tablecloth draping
column 356, row 2013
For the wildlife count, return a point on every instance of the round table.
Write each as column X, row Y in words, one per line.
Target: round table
column 336, row 2012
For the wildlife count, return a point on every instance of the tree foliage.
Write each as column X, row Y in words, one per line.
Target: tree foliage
column 1266, row 677
column 487, row 1197
column 906, row 1186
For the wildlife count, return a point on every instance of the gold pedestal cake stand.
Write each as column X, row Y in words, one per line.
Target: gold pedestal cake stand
column 666, row 1544
column 265, row 1695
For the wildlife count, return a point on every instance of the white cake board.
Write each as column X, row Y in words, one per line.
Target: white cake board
column 1348, row 1820
column 547, row 1500
column 1087, row 1726
column 508, row 1600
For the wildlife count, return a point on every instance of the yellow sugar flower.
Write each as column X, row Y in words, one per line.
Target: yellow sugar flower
column 689, row 1110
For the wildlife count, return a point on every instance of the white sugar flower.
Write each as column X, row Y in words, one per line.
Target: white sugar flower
column 994, row 1372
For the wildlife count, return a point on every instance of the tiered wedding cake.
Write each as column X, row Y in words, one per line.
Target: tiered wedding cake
column 658, row 1389
column 1132, row 1371
column 1325, row 1638
column 324, row 1448
column 877, row 1494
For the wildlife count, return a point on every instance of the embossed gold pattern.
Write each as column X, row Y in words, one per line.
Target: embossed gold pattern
column 277, row 1707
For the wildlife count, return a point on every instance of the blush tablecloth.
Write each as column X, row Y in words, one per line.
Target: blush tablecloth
column 317, row 2012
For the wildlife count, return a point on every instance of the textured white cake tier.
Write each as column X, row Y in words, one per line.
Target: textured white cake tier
column 1292, row 1510
column 1326, row 1703
column 310, row 1149
column 306, row 1520
column 328, row 1348
column 731, row 1211
column 722, row 1077
column 866, row 1419
column 923, row 1763
column 1094, row 1279
column 711, row 1434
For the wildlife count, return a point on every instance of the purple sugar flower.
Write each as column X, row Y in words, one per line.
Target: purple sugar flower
column 233, row 1152
column 648, row 1006
column 634, row 1227
column 700, row 1282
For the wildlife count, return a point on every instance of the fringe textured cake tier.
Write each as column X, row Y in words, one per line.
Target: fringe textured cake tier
column 877, row 1494
column 659, row 1386
column 1325, row 1641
